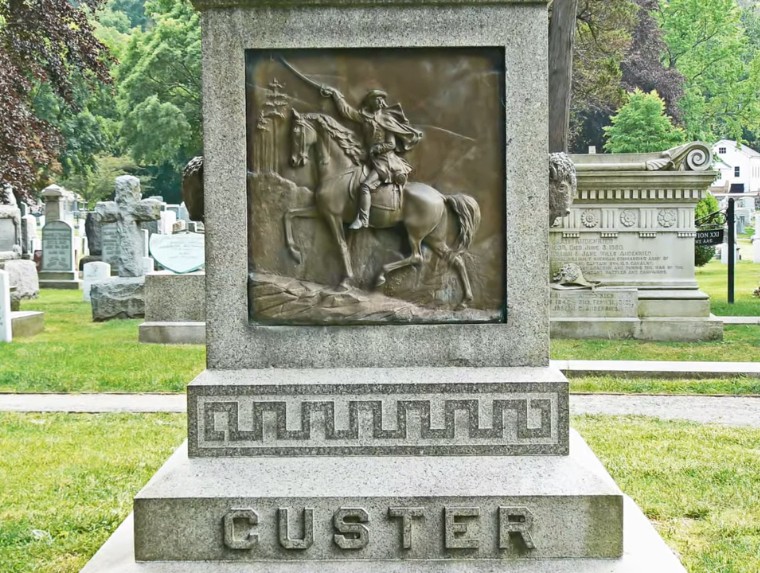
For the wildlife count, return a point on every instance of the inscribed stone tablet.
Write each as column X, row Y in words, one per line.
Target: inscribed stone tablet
column 7, row 235
column 179, row 253
column 433, row 252
column 598, row 303
column 110, row 243
column 5, row 307
column 57, row 250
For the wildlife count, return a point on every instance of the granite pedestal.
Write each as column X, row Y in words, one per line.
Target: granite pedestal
column 175, row 308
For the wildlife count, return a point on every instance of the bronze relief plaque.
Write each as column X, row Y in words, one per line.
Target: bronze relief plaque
column 376, row 186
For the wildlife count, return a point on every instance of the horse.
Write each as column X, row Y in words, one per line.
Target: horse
column 425, row 213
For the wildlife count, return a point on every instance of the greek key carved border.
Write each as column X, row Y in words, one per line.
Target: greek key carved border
column 493, row 424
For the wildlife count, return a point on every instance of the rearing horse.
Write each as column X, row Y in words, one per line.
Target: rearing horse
column 424, row 212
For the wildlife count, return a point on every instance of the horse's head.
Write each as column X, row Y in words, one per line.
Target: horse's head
column 302, row 137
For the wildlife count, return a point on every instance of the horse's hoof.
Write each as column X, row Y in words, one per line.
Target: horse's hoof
column 296, row 255
column 344, row 285
column 380, row 281
column 464, row 305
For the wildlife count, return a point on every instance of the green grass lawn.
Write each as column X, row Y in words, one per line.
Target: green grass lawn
column 699, row 484
column 68, row 481
column 740, row 386
column 741, row 343
column 75, row 354
column 713, row 279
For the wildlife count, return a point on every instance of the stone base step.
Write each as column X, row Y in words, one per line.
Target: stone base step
column 173, row 332
column 660, row 329
column 26, row 323
column 247, row 515
column 61, row 285
column 254, row 509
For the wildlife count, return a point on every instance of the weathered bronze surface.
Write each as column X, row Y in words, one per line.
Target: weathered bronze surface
column 361, row 211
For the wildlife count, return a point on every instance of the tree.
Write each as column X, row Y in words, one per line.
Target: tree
column 642, row 66
column 641, row 126
column 602, row 39
column 707, row 43
column 48, row 42
column 160, row 93
column 708, row 205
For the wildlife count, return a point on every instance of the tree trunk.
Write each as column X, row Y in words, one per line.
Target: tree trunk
column 561, row 40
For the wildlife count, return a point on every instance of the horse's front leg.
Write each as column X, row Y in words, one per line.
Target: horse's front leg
column 303, row 212
column 335, row 223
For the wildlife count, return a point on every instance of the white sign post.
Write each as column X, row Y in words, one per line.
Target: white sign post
column 5, row 307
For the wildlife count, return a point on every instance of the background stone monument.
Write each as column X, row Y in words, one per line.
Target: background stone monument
column 123, row 296
column 10, row 226
column 630, row 235
column 6, row 332
column 58, row 268
column 390, row 443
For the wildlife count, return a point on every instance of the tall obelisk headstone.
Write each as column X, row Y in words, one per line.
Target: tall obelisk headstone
column 58, row 269
column 367, row 408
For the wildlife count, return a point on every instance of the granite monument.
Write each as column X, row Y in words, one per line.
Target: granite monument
column 435, row 439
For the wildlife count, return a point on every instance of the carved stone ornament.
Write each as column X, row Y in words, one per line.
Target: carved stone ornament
column 629, row 217
column 570, row 276
column 694, row 156
column 563, row 185
column 360, row 214
column 667, row 217
column 590, row 218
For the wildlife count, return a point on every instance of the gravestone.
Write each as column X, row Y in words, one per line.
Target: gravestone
column 92, row 273
column 168, row 218
column 109, row 238
column 756, row 240
column 630, row 232
column 58, row 270
column 412, row 423
column 28, row 235
column 175, row 305
column 10, row 226
column 5, row 308
column 123, row 296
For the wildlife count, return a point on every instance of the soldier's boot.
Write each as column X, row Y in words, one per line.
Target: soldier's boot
column 365, row 202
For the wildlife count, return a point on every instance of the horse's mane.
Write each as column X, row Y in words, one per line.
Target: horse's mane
column 341, row 135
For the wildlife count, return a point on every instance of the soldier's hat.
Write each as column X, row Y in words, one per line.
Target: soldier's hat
column 373, row 94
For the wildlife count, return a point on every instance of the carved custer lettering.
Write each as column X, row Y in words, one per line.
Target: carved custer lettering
column 515, row 521
column 407, row 515
column 283, row 517
column 461, row 532
column 349, row 525
column 232, row 539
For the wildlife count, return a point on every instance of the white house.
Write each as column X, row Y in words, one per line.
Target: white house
column 739, row 167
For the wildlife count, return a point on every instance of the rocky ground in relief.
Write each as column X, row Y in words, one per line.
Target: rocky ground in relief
column 286, row 300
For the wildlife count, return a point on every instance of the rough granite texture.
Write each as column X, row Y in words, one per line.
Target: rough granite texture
column 121, row 297
column 175, row 298
column 379, row 411
column 23, row 276
column 521, row 29
column 576, row 506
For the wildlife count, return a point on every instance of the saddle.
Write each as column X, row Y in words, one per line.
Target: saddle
column 388, row 197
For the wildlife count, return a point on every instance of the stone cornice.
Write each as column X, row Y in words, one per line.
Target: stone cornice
column 220, row 4
column 643, row 186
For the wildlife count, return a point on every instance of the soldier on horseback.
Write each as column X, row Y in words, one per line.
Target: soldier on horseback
column 386, row 135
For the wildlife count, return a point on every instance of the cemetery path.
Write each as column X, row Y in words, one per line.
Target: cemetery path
column 731, row 411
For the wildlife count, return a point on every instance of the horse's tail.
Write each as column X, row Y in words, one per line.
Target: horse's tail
column 468, row 214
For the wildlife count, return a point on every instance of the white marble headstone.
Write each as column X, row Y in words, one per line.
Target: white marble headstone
column 180, row 254
column 168, row 218
column 5, row 307
column 91, row 273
